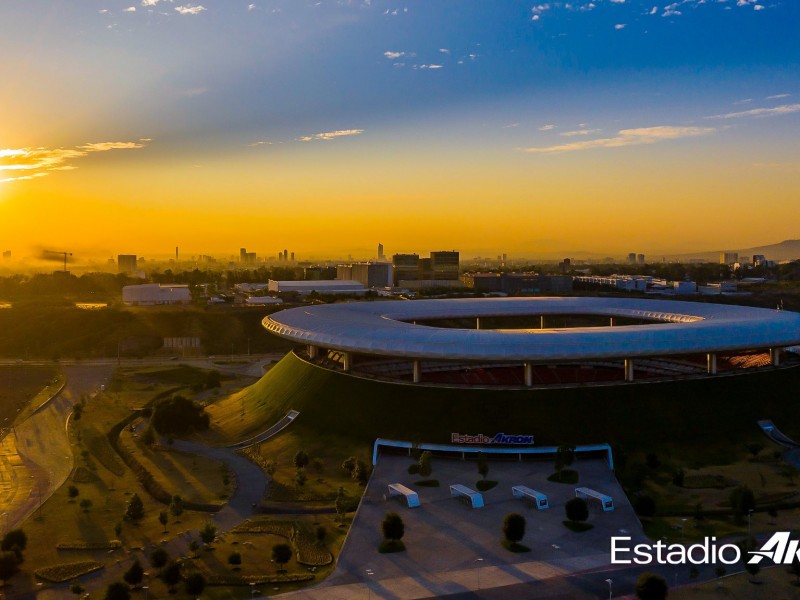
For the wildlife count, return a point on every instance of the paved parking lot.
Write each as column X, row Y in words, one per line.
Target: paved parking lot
column 451, row 547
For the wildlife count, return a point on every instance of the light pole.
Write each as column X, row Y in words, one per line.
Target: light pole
column 683, row 530
column 749, row 529
column 370, row 573
column 609, row 582
column 478, row 571
column 252, row 589
column 145, row 588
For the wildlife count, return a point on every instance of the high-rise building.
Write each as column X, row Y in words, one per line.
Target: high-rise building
column 292, row 256
column 728, row 258
column 632, row 258
column 242, row 252
column 381, row 256
column 126, row 263
column 640, row 259
column 445, row 265
column 285, row 255
column 406, row 267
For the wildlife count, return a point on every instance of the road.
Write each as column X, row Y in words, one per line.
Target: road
column 37, row 458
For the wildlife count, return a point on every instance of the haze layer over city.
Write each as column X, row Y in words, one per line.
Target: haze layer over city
column 530, row 128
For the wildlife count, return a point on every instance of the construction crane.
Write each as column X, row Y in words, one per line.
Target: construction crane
column 64, row 254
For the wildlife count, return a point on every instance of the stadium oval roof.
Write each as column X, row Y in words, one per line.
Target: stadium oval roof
column 388, row 329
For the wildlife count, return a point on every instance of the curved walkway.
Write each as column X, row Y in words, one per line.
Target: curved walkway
column 37, row 458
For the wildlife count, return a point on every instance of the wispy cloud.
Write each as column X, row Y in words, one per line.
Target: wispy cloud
column 578, row 132
column 329, row 135
column 192, row 92
column 778, row 96
column 547, row 127
column 391, row 55
column 188, row 9
column 627, row 137
column 130, row 9
column 619, row 26
column 260, row 143
column 784, row 109
column 28, row 163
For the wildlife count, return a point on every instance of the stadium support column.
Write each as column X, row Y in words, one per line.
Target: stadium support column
column 348, row 360
column 611, row 321
column 417, row 371
column 312, row 352
column 628, row 369
column 477, row 322
column 541, row 322
column 712, row 363
column 775, row 356
column 528, row 374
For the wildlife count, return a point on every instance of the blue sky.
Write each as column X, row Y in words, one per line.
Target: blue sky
column 294, row 89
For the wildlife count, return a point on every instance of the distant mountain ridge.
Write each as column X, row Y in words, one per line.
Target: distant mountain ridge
column 785, row 250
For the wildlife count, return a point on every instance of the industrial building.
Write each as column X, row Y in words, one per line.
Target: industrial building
column 370, row 274
column 321, row 287
column 516, row 283
column 155, row 294
column 126, row 263
column 441, row 269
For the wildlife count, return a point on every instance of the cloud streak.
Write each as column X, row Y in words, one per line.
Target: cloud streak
column 784, row 109
column 28, row 163
column 329, row 135
column 627, row 137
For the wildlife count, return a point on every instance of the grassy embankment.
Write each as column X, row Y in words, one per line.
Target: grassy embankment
column 102, row 478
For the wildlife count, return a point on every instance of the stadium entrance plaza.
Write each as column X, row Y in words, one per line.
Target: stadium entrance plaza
column 452, row 548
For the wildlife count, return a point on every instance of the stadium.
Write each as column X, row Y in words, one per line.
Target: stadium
column 568, row 367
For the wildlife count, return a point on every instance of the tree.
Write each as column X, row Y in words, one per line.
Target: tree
column 134, row 575
column 742, row 501
column 281, row 554
column 361, row 472
column 195, row 584
column 135, row 509
column 393, row 527
column 645, row 506
column 8, row 564
column 794, row 569
column 483, row 466
column 341, row 503
column 300, row 460
column 235, row 559
column 163, row 519
column 118, row 591
column 565, row 455
column 208, row 532
column 171, row 574
column 86, row 504
column 213, row 380
column 349, row 464
column 719, row 573
column 514, row 527
column 14, row 539
column 179, row 416
column 300, row 477
column 320, row 533
column 753, row 569
column 118, row 529
column 754, row 449
column 194, row 546
column 577, row 510
column 73, row 492
column 425, row 467
column 75, row 587
column 176, row 506
column 650, row 586
column 158, row 558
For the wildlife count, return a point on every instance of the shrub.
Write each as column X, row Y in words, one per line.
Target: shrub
column 577, row 510
column 392, row 526
column 650, row 586
column 514, row 527
column 118, row 591
column 179, row 416
column 195, row 584
column 645, row 506
column 235, row 559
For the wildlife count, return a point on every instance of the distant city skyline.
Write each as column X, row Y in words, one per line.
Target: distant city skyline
column 526, row 128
